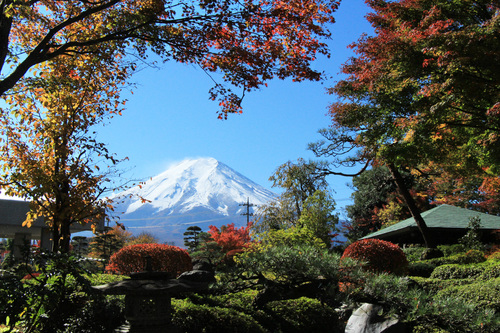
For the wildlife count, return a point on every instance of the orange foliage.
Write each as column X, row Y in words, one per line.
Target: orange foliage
column 230, row 238
column 164, row 258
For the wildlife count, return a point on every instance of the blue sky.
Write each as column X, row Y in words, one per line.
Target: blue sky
column 169, row 117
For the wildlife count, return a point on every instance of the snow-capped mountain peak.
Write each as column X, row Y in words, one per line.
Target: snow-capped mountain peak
column 197, row 183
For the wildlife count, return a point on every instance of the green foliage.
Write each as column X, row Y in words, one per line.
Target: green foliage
column 299, row 182
column 378, row 256
column 449, row 250
column 294, row 315
column 303, row 315
column 422, row 269
column 420, row 308
column 98, row 314
column 413, row 253
column 456, row 271
column 317, row 216
column 482, row 294
column 291, row 237
column 56, row 299
column 192, row 237
column 291, row 265
column 373, row 190
column 434, row 285
column 472, row 239
column 195, row 318
column 98, row 279
column 165, row 258
column 470, row 257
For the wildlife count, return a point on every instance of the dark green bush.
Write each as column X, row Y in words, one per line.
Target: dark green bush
column 99, row 314
column 420, row 268
column 482, row 294
column 196, row 318
column 450, row 250
column 413, row 253
column 303, row 315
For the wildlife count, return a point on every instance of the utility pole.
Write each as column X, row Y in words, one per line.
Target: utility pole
column 248, row 214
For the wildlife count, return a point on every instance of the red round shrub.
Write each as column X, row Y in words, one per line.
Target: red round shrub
column 164, row 258
column 378, row 256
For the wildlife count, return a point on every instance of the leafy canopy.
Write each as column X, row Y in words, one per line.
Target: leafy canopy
column 249, row 42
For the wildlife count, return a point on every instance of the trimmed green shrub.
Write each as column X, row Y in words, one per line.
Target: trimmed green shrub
column 378, row 256
column 435, row 285
column 413, row 253
column 98, row 279
column 304, row 315
column 482, row 294
column 450, row 250
column 420, row 268
column 491, row 270
column 495, row 256
column 196, row 318
column 164, row 258
column 455, row 271
column 470, row 257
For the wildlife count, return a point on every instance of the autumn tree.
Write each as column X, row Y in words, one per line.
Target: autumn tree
column 423, row 89
column 62, row 64
column 104, row 244
column 49, row 152
column 231, row 238
column 143, row 238
column 249, row 42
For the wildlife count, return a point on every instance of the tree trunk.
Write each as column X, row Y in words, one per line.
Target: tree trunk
column 410, row 202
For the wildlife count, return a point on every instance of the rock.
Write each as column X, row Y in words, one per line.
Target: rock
column 199, row 265
column 198, row 276
column 366, row 319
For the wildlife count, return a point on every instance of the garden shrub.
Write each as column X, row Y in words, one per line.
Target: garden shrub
column 413, row 253
column 491, row 270
column 494, row 255
column 450, row 250
column 303, row 315
column 378, row 256
column 419, row 268
column 455, row 271
column 197, row 318
column 164, row 258
column 434, row 285
column 481, row 294
column 470, row 257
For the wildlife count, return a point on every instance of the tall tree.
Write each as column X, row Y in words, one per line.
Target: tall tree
column 48, row 150
column 424, row 89
column 62, row 64
column 299, row 181
column 192, row 237
column 250, row 42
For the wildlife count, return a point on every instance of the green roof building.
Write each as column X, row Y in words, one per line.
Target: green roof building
column 446, row 223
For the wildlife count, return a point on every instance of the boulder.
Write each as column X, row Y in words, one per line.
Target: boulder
column 367, row 319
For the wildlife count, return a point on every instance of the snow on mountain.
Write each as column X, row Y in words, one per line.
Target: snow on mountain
column 192, row 192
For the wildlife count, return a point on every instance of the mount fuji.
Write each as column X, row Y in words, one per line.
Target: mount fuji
column 200, row 192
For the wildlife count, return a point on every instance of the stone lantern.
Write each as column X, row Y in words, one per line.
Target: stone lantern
column 148, row 299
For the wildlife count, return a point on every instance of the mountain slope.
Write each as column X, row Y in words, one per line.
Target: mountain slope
column 199, row 192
